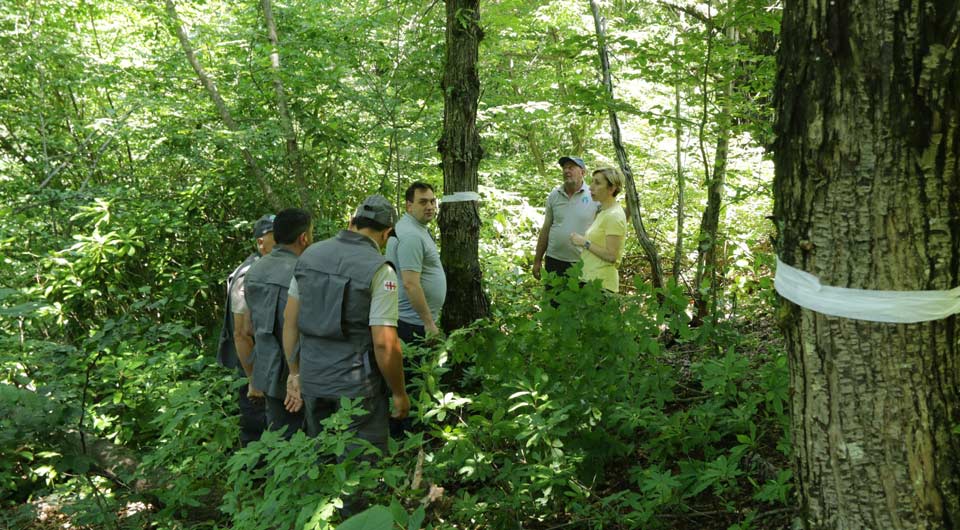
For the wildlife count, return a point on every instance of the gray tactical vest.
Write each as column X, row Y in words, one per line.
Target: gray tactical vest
column 336, row 347
column 227, row 350
column 265, row 289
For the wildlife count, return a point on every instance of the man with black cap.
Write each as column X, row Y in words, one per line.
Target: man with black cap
column 236, row 342
column 266, row 295
column 570, row 209
column 342, row 313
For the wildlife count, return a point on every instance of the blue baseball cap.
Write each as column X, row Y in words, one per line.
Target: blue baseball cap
column 578, row 161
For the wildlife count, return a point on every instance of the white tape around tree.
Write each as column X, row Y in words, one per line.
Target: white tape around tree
column 461, row 196
column 900, row 307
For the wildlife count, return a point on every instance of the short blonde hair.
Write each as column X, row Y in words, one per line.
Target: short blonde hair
column 613, row 175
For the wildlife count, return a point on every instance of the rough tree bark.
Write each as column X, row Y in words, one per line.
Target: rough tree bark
column 867, row 196
column 460, row 150
column 633, row 199
column 286, row 123
column 253, row 169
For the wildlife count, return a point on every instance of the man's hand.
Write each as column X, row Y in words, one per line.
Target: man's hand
column 293, row 401
column 401, row 406
column 431, row 328
column 536, row 268
column 253, row 393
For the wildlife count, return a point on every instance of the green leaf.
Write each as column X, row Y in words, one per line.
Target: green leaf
column 374, row 518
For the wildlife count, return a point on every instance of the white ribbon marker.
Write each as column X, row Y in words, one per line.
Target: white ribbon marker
column 900, row 307
column 461, row 196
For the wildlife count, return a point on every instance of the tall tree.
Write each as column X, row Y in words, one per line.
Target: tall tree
column 253, row 167
column 633, row 199
column 460, row 149
column 286, row 123
column 867, row 188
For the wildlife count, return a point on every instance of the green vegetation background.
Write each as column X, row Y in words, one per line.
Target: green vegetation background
column 125, row 202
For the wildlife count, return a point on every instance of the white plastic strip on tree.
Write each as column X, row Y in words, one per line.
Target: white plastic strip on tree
column 461, row 196
column 900, row 307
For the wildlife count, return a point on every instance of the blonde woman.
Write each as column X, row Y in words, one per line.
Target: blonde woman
column 603, row 243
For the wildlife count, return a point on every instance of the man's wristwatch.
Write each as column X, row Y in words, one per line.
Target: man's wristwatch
column 586, row 245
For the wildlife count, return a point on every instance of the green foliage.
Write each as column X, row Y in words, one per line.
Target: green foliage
column 125, row 202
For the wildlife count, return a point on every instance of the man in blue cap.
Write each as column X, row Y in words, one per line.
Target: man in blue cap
column 570, row 209
column 236, row 342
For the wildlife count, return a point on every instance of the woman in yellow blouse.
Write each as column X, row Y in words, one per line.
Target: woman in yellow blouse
column 603, row 242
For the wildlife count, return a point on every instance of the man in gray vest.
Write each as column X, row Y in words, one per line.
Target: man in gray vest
column 266, row 294
column 414, row 252
column 236, row 344
column 342, row 313
column 570, row 209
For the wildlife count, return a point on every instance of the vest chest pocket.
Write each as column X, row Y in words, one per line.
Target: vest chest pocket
column 322, row 304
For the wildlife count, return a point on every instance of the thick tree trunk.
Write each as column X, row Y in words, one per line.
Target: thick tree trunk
column 868, row 196
column 286, row 123
column 633, row 198
column 460, row 149
column 251, row 163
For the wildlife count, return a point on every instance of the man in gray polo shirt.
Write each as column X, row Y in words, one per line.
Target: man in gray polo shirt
column 570, row 209
column 423, row 285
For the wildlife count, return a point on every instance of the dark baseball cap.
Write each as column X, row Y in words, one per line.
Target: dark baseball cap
column 378, row 208
column 578, row 161
column 263, row 226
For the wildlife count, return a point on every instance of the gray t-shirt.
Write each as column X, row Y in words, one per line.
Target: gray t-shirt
column 413, row 249
column 567, row 215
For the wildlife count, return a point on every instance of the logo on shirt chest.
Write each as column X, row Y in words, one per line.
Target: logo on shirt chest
column 389, row 286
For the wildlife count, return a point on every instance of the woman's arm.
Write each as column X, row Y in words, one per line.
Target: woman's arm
column 608, row 252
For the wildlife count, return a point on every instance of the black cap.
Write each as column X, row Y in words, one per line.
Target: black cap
column 378, row 208
column 263, row 226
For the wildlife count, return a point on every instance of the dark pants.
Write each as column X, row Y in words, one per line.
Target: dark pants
column 556, row 266
column 279, row 419
column 371, row 426
column 413, row 335
column 253, row 418
column 560, row 268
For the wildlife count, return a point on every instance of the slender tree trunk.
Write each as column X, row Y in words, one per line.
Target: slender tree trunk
column 681, row 181
column 251, row 163
column 575, row 127
column 867, row 193
column 633, row 199
column 460, row 150
column 706, row 283
column 286, row 124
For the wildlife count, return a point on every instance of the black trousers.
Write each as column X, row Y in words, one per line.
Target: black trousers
column 253, row 418
column 279, row 419
column 556, row 266
column 371, row 426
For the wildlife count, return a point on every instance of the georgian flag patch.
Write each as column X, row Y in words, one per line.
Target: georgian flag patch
column 390, row 286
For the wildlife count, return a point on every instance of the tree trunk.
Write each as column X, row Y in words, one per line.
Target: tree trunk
column 681, row 181
column 286, row 124
column 706, row 284
column 867, row 197
column 251, row 163
column 633, row 199
column 460, row 150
